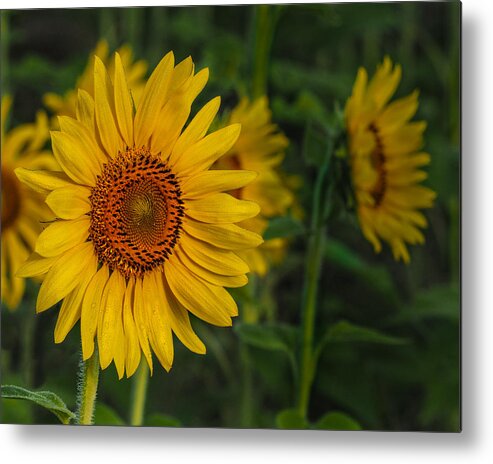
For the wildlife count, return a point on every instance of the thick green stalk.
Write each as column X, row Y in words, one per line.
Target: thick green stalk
column 139, row 393
column 107, row 26
column 316, row 245
column 87, row 389
column 265, row 19
column 4, row 52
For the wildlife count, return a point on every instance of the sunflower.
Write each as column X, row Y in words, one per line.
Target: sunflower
column 140, row 213
column 260, row 148
column 385, row 160
column 66, row 105
column 22, row 209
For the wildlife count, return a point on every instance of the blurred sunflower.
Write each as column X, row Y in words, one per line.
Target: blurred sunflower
column 135, row 71
column 22, row 209
column 385, row 161
column 260, row 148
column 139, row 211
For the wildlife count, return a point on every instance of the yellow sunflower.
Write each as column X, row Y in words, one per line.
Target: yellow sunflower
column 385, row 159
column 260, row 148
column 22, row 209
column 66, row 105
column 143, row 234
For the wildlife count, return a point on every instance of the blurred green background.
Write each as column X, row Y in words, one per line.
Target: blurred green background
column 315, row 53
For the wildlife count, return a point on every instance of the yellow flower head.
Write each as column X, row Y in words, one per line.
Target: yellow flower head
column 385, row 159
column 143, row 233
column 22, row 209
column 66, row 105
column 260, row 148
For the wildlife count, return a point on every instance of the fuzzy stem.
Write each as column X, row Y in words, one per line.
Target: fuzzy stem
column 87, row 390
column 139, row 393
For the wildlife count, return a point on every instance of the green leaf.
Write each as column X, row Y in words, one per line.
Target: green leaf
column 291, row 419
column 346, row 332
column 278, row 337
column 283, row 227
column 337, row 421
column 47, row 399
column 104, row 415
column 441, row 301
column 162, row 420
column 339, row 254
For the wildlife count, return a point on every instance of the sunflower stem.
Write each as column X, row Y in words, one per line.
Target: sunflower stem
column 139, row 394
column 4, row 52
column 87, row 389
column 316, row 245
column 265, row 21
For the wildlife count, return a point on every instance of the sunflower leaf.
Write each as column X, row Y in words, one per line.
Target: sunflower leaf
column 162, row 420
column 344, row 331
column 336, row 420
column 291, row 419
column 283, row 227
column 46, row 399
column 277, row 337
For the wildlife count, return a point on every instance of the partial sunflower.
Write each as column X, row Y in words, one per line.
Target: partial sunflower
column 144, row 234
column 66, row 105
column 22, row 209
column 385, row 160
column 260, row 148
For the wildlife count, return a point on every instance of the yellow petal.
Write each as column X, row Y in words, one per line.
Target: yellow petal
column 214, row 259
column 215, row 181
column 170, row 123
column 227, row 236
column 205, row 152
column 123, row 103
column 91, row 306
column 69, row 202
column 64, row 276
column 153, row 99
column 43, row 181
column 81, row 133
column 132, row 348
column 159, row 328
column 196, row 129
column 60, row 236
column 36, row 265
column 221, row 208
column 180, row 322
column 104, row 111
column 110, row 319
column 80, row 165
column 208, row 302
column 209, row 276
column 85, row 110
column 70, row 310
column 140, row 318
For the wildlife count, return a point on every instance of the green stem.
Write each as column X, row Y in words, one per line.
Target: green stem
column 247, row 397
column 265, row 20
column 87, row 390
column 107, row 26
column 133, row 20
column 139, row 393
column 316, row 245
column 4, row 52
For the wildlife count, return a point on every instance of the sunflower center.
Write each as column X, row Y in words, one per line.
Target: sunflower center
column 11, row 199
column 378, row 163
column 136, row 212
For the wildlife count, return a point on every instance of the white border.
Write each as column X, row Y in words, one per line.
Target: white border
column 47, row 444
